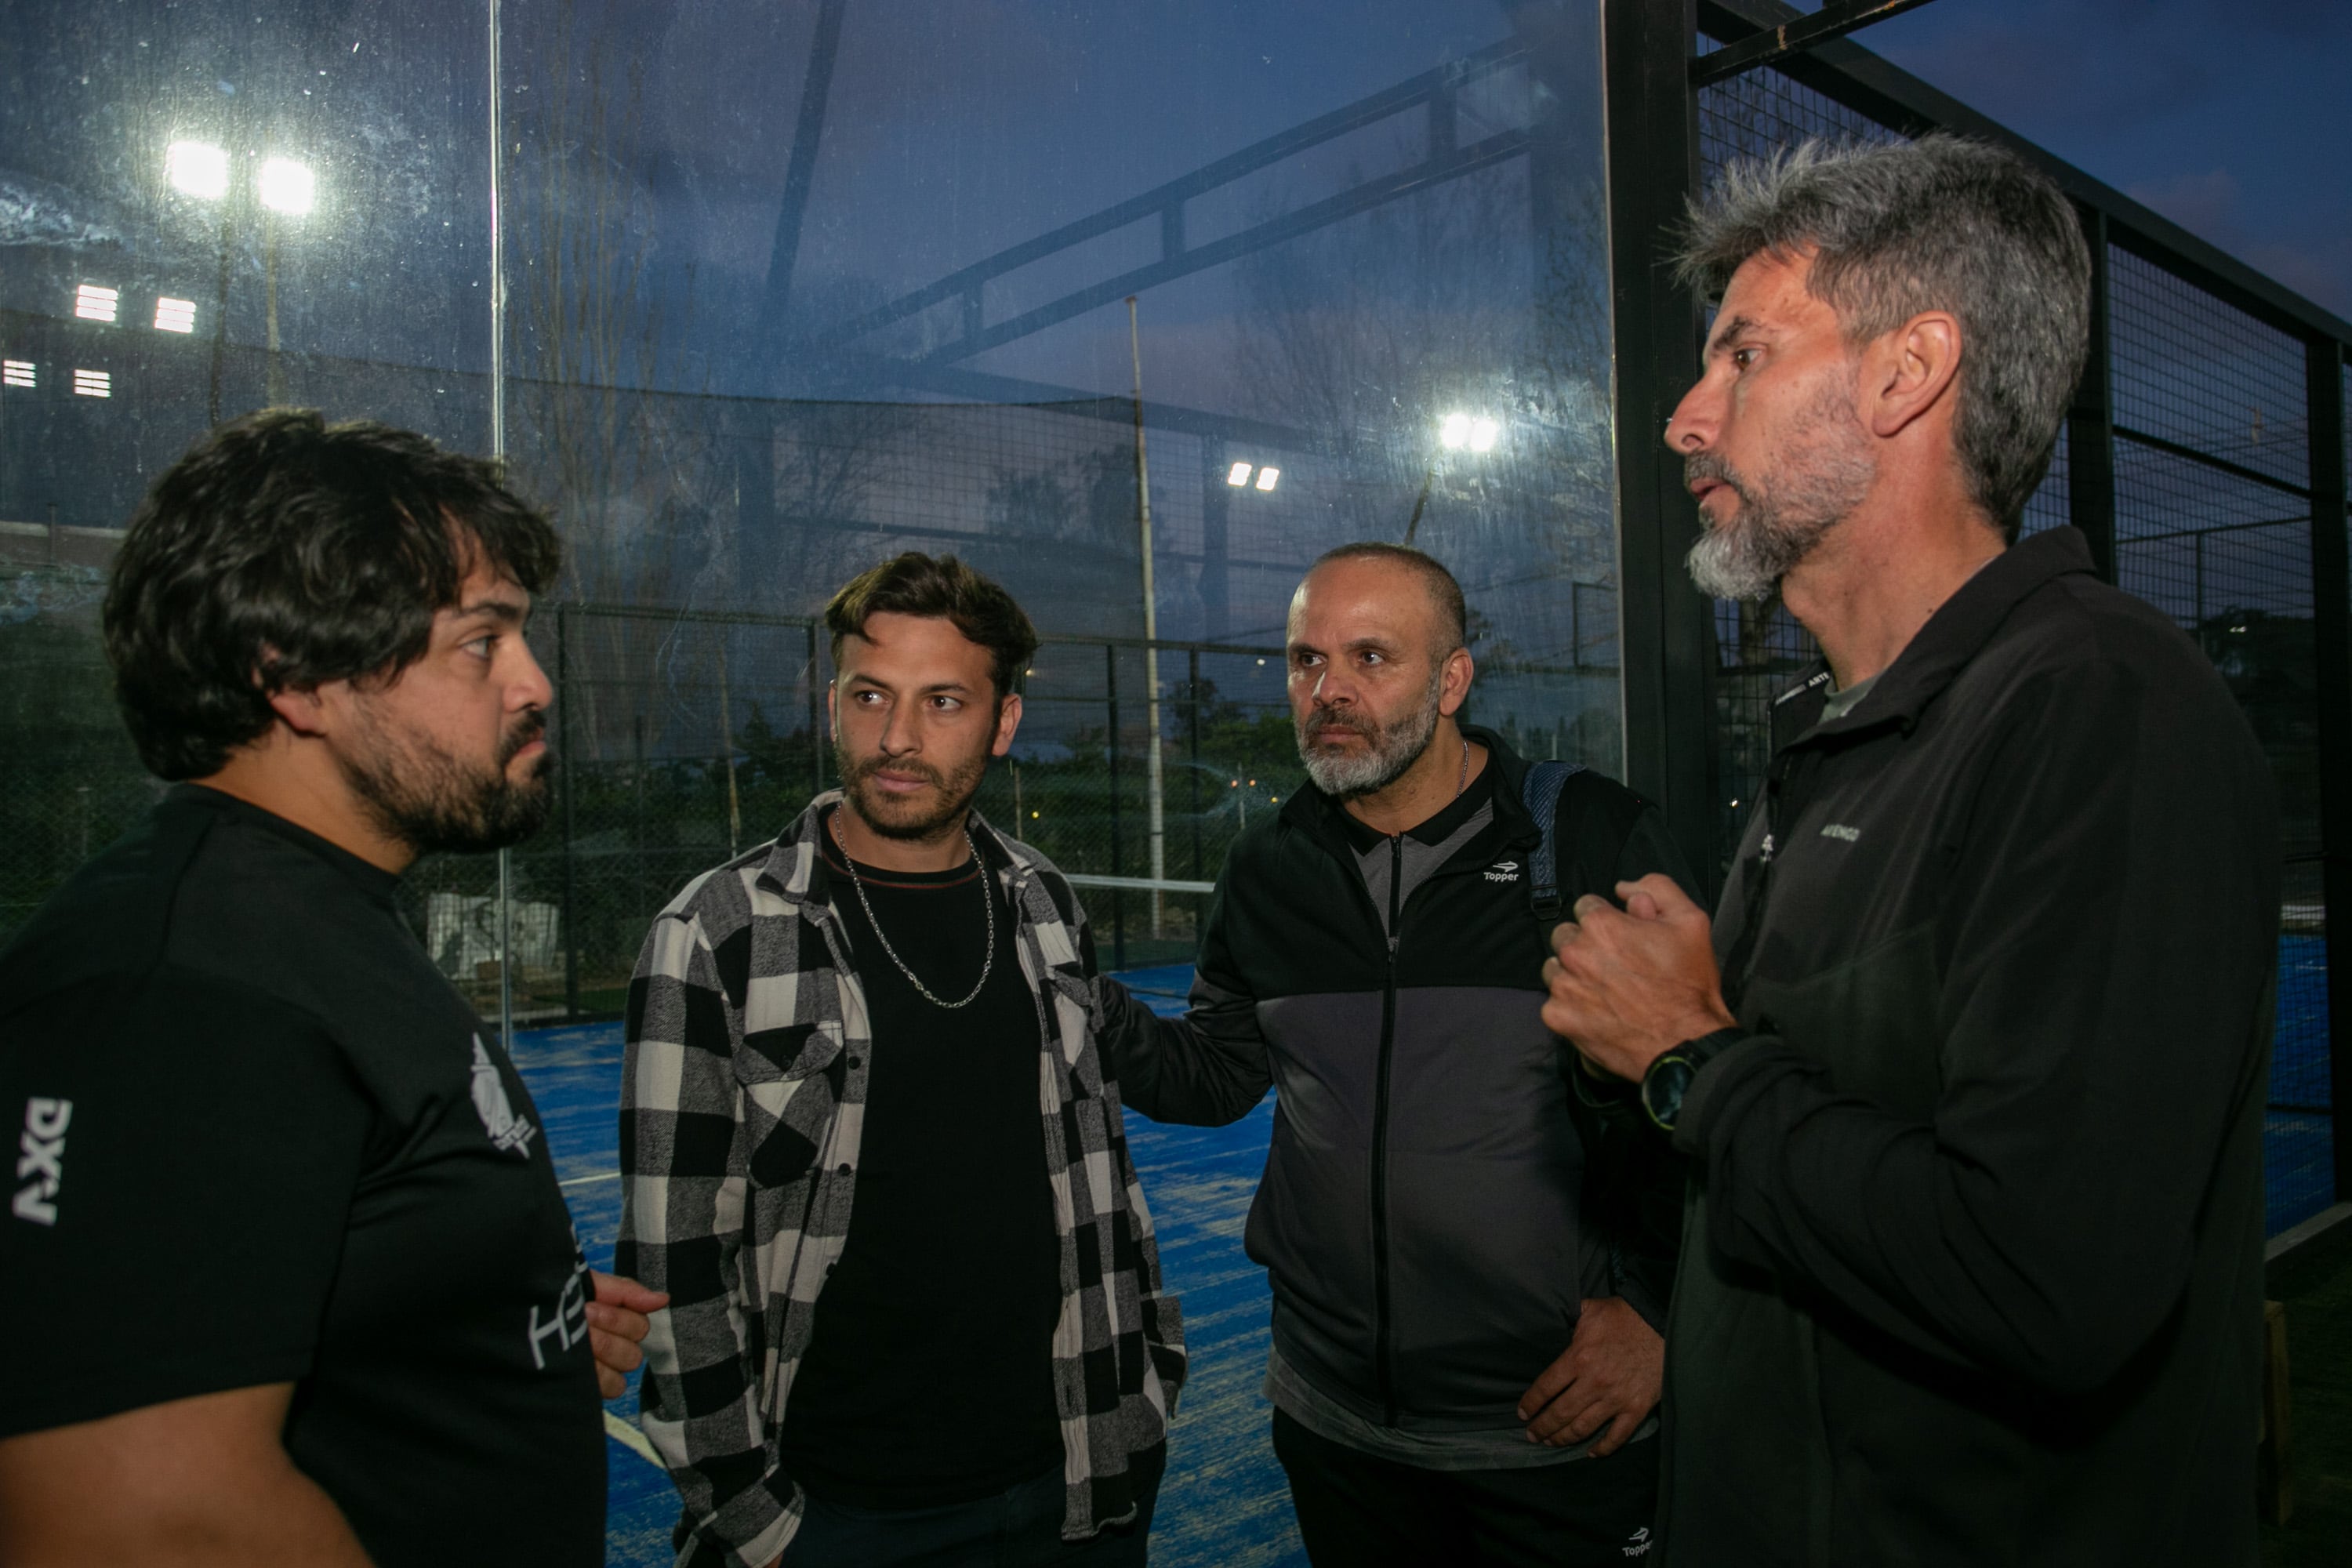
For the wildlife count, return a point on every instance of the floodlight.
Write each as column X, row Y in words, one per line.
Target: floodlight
column 1483, row 433
column 1238, row 475
column 174, row 315
column 288, row 186
column 92, row 303
column 93, row 383
column 1266, row 478
column 18, row 372
column 1455, row 431
column 198, row 169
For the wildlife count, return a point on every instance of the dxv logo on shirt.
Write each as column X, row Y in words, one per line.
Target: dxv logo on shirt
column 42, row 1156
column 508, row 1133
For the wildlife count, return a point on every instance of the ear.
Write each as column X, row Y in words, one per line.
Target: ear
column 1454, row 685
column 1008, row 722
column 832, row 712
column 1909, row 372
column 302, row 711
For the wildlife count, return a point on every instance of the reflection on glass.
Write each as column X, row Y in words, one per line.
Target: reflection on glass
column 785, row 297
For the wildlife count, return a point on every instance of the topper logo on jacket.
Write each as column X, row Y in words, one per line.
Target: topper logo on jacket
column 508, row 1133
column 41, row 1154
column 1503, row 871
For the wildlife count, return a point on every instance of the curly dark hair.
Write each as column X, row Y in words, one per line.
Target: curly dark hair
column 281, row 552
column 943, row 588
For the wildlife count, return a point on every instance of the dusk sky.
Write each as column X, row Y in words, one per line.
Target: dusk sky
column 2226, row 116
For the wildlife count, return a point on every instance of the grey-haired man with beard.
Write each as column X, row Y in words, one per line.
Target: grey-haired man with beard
column 1469, row 1272
column 1971, row 1062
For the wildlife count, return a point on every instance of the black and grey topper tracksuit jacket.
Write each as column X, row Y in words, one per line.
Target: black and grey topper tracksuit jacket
column 1436, row 1204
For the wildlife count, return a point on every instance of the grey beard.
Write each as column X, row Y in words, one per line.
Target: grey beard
column 1775, row 527
column 1382, row 763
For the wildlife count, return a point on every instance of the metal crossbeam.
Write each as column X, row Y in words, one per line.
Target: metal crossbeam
column 1436, row 89
column 1776, row 44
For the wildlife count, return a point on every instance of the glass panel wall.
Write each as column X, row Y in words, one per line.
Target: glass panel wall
column 768, row 293
column 793, row 289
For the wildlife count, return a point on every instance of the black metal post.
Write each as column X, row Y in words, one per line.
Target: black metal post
column 816, row 715
column 569, row 783
column 1110, row 743
column 2091, row 421
column 2331, row 584
column 1667, row 637
column 1192, row 701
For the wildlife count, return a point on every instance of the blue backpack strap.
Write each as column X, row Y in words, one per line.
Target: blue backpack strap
column 1540, row 790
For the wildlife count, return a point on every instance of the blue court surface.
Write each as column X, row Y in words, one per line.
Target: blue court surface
column 1224, row 1502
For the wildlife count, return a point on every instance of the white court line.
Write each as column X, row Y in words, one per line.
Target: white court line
column 629, row 1437
column 583, row 1181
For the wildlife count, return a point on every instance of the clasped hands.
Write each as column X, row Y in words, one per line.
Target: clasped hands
column 1628, row 985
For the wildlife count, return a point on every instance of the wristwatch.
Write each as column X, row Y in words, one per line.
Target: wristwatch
column 1669, row 1076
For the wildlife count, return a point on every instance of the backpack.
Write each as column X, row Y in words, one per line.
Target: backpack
column 1633, row 1179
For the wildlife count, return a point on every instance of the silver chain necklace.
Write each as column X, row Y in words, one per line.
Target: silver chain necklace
column 987, row 902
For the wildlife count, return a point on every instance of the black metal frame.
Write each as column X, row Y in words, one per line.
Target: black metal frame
column 1667, row 650
column 1653, row 71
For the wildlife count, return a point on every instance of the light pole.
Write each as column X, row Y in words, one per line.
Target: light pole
column 1455, row 433
column 1153, row 796
column 284, row 187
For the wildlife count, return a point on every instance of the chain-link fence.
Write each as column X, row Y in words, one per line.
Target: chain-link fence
column 2203, row 410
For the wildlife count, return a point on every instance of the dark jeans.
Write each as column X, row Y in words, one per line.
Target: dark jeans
column 1357, row 1512
column 1018, row 1528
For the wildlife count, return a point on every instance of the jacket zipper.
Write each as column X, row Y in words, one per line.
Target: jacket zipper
column 1383, row 1366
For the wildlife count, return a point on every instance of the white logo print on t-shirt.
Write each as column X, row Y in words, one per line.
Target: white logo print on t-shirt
column 508, row 1133
column 41, row 1154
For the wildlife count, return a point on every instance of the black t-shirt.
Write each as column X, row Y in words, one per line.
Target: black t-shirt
column 928, row 1375
column 279, row 1147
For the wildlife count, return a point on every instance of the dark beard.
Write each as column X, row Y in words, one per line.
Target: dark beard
column 951, row 794
column 420, row 795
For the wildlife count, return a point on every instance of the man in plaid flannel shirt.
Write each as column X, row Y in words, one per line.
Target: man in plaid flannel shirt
column 911, row 1315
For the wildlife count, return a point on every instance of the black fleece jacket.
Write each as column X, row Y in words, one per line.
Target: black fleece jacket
column 1974, row 1275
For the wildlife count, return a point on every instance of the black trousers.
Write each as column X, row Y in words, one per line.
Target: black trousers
column 1358, row 1512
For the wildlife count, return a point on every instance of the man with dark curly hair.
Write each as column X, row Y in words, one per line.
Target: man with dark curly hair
column 286, row 1248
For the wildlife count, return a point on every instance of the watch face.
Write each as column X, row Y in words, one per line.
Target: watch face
column 1662, row 1087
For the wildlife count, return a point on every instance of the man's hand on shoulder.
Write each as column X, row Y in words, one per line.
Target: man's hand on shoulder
column 1629, row 985
column 618, row 1324
column 1610, row 1377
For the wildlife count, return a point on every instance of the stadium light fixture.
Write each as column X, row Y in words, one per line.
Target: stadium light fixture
column 288, row 186
column 93, row 383
column 174, row 315
column 18, row 372
column 1239, row 474
column 1266, row 478
column 93, row 303
column 198, row 169
column 1474, row 432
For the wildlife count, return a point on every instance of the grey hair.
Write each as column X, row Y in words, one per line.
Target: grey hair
column 1939, row 223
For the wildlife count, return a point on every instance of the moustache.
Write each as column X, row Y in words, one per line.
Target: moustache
column 1327, row 717
column 527, row 729
column 1710, row 466
column 868, row 768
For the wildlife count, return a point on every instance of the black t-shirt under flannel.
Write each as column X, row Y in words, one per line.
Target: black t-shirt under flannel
column 929, row 1377
column 278, row 1147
